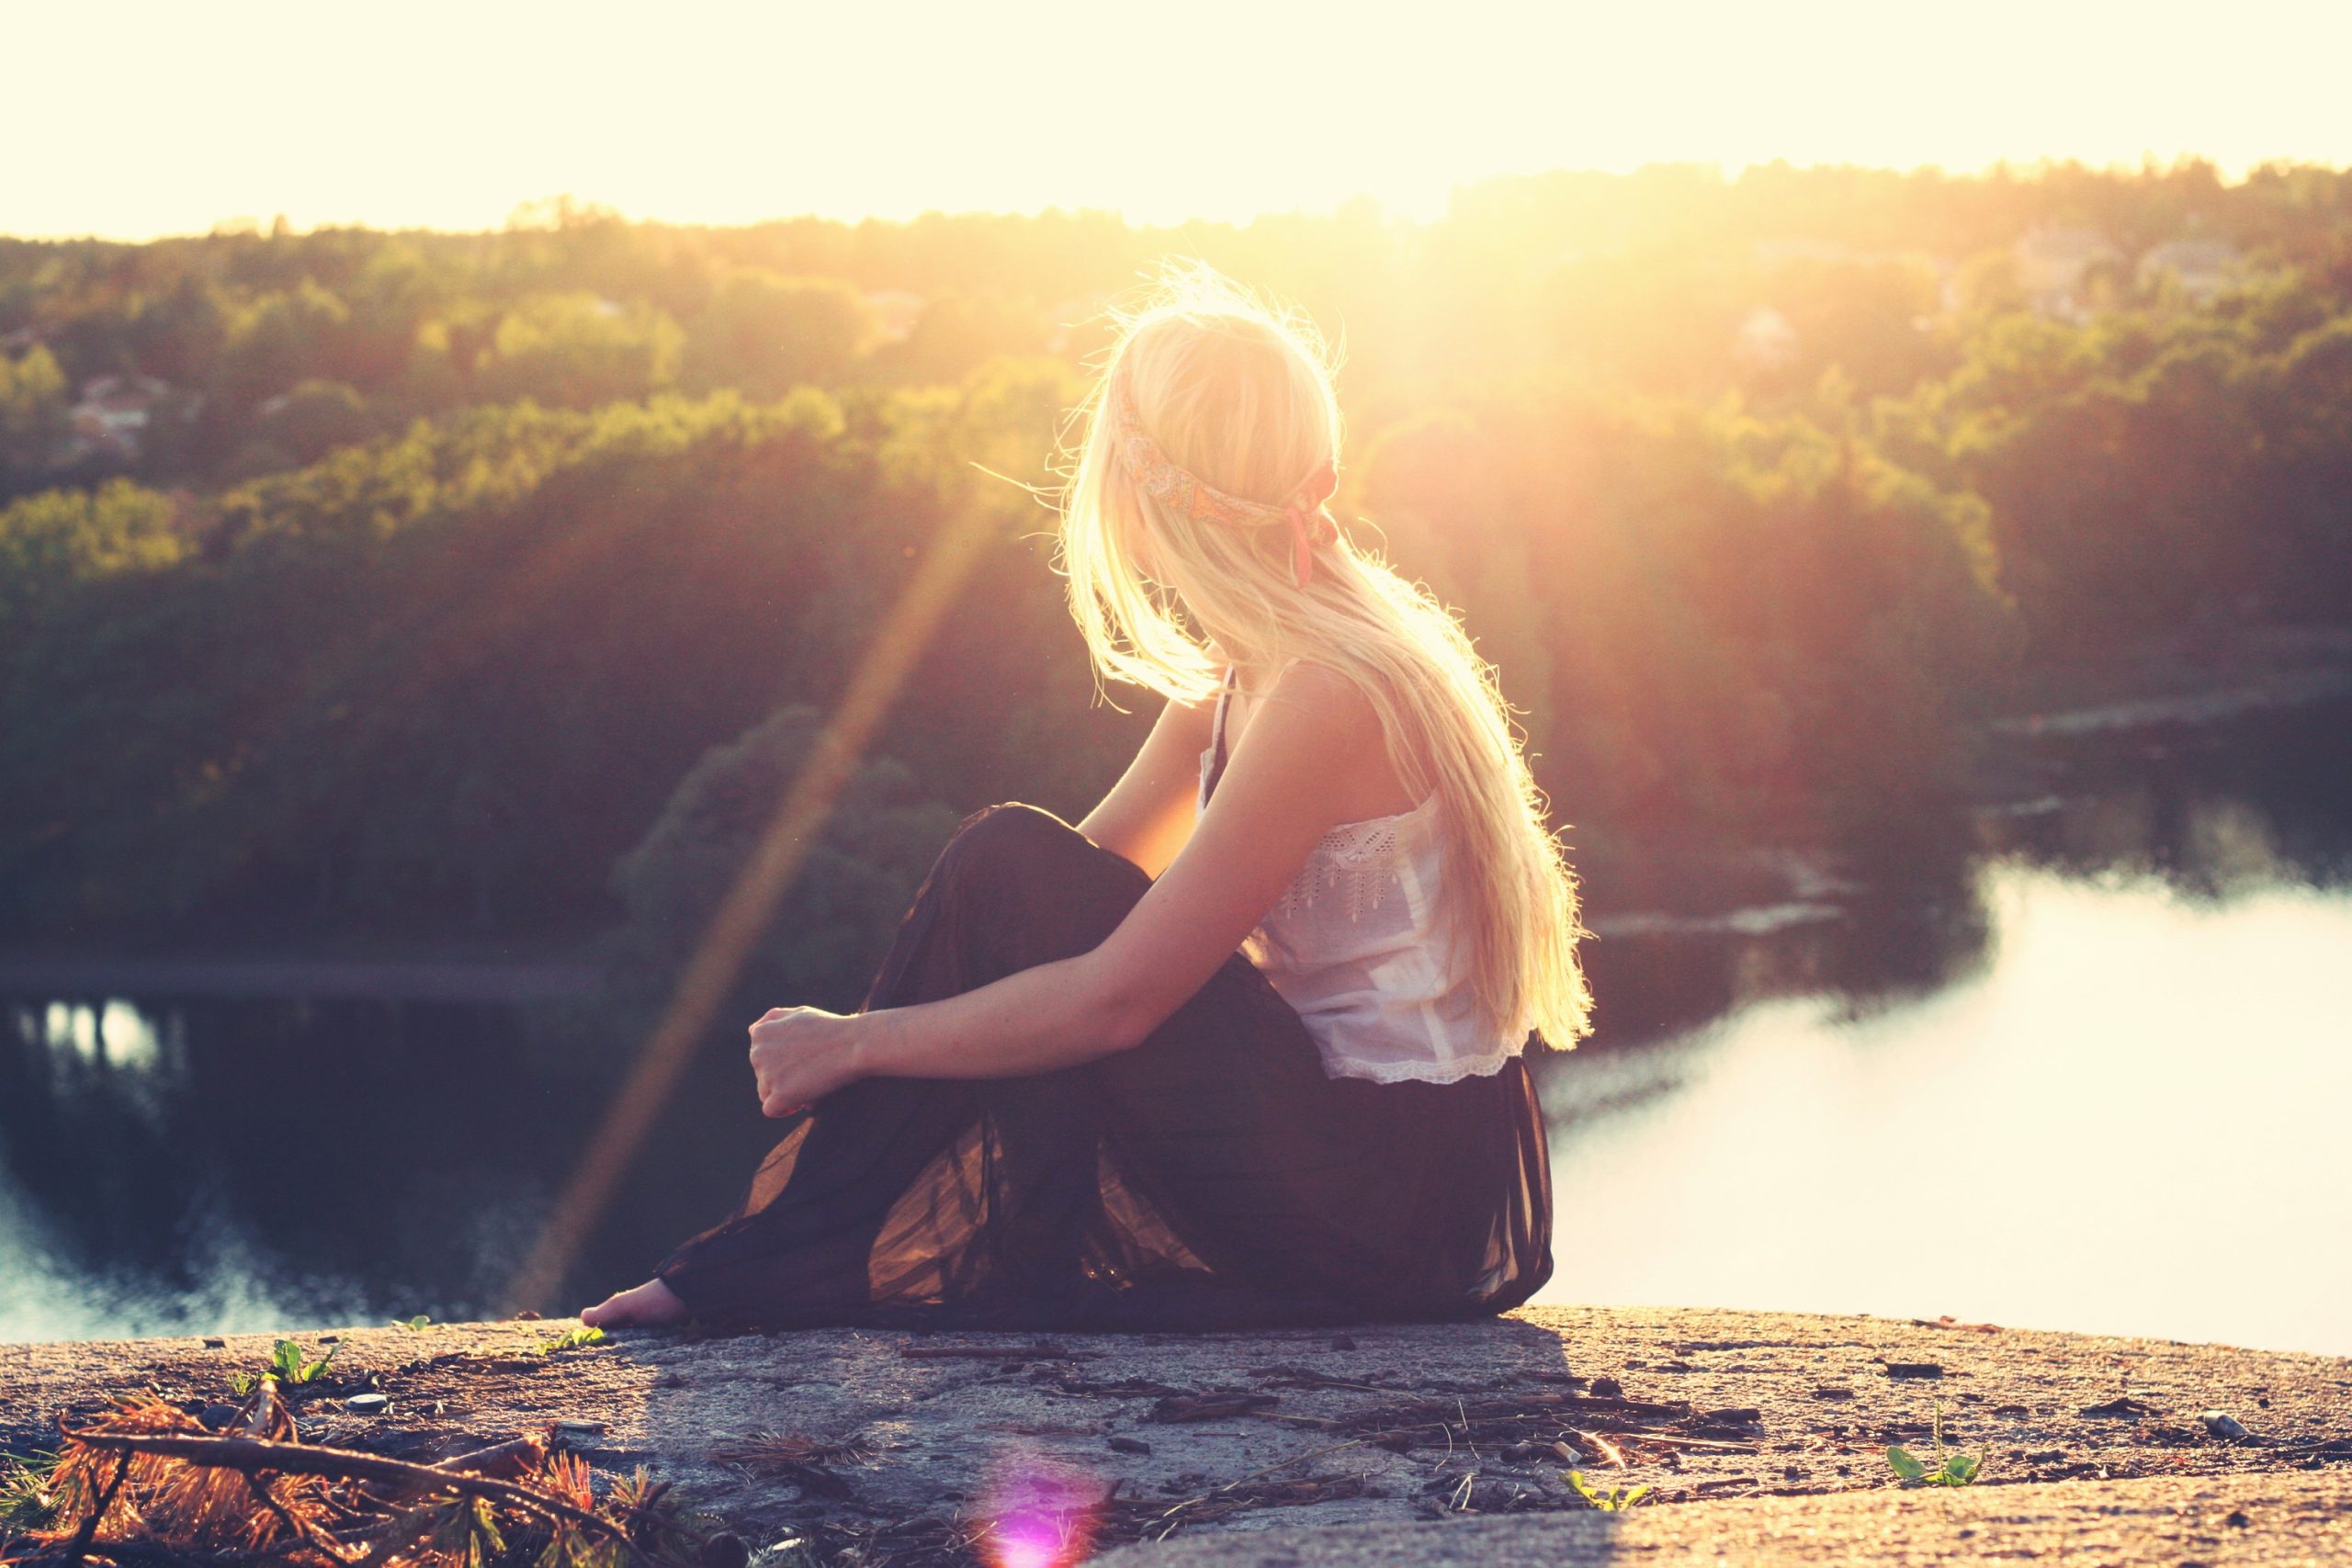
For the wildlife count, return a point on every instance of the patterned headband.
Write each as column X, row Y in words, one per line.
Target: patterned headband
column 1195, row 499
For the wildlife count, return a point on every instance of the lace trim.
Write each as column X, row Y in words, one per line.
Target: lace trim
column 1358, row 860
column 1420, row 1071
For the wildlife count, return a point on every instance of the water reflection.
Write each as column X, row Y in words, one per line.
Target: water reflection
column 2100, row 1088
column 2130, row 1122
column 209, row 1165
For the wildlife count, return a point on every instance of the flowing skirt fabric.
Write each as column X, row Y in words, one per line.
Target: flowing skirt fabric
column 1210, row 1177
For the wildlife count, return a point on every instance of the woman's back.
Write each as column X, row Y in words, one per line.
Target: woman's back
column 1356, row 944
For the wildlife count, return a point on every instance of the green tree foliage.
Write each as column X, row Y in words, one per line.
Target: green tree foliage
column 1707, row 615
column 958, row 332
column 32, row 411
column 764, row 333
column 59, row 540
column 451, row 675
column 278, row 340
column 579, row 350
column 856, row 882
column 2300, row 400
column 2149, row 469
column 443, row 559
column 313, row 420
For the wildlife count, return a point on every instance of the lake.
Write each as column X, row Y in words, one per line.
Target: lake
column 2093, row 1075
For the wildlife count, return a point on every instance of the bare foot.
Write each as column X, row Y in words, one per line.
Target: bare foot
column 649, row 1306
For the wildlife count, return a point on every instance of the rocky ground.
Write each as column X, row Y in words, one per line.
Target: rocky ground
column 1761, row 1428
column 2209, row 1522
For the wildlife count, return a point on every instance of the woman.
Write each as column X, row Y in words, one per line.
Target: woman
column 1244, row 1047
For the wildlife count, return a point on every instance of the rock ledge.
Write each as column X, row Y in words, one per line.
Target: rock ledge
column 1758, row 1434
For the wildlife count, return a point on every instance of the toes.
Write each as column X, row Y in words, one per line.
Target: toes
column 651, row 1304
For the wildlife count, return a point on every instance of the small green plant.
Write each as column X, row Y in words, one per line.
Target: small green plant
column 1952, row 1467
column 1608, row 1501
column 572, row 1340
column 28, row 1502
column 242, row 1384
column 468, row 1533
column 290, row 1365
column 416, row 1325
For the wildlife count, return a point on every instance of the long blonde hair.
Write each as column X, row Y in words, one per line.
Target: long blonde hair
column 1240, row 392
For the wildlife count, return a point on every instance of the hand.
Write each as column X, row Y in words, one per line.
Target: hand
column 801, row 1055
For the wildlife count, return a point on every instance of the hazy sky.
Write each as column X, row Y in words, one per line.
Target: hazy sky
column 134, row 119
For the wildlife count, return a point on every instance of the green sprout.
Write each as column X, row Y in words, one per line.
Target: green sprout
column 416, row 1325
column 27, row 1499
column 468, row 1530
column 288, row 1363
column 1608, row 1501
column 572, row 1340
column 1952, row 1467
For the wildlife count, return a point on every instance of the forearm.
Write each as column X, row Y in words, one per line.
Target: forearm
column 1147, row 839
column 1034, row 1020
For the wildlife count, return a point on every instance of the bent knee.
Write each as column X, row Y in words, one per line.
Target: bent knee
column 1011, row 826
column 1014, row 848
column 999, row 841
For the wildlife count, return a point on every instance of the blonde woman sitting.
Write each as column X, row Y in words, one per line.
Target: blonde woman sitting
column 1245, row 1045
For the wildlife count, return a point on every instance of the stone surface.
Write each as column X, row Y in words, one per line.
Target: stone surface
column 911, row 1443
column 2217, row 1522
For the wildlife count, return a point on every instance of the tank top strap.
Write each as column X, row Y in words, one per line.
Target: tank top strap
column 1216, row 725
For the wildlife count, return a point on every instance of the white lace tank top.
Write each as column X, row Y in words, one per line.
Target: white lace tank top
column 1352, row 945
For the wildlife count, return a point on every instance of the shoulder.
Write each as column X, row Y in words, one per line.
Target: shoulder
column 1315, row 700
column 1303, row 680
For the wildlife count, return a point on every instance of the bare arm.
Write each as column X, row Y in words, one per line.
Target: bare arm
column 1272, row 805
column 1147, row 816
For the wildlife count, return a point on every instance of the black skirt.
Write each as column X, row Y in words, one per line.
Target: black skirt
column 1211, row 1177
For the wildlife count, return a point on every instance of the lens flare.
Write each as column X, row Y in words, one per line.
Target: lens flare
column 1039, row 1514
column 710, row 975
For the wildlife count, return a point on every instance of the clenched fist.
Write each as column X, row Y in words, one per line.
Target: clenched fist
column 799, row 1055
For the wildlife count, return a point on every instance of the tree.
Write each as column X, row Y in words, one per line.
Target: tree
column 33, row 403
column 836, row 919
column 315, row 418
column 765, row 334
column 578, row 350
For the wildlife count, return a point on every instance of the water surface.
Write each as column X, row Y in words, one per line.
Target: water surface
column 2131, row 1121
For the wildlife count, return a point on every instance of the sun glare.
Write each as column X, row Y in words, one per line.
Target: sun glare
column 733, row 113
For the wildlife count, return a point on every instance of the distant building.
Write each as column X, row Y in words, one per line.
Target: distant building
column 113, row 415
column 2204, row 267
column 2054, row 265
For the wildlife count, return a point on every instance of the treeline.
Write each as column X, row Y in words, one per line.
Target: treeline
column 265, row 351
column 495, row 582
